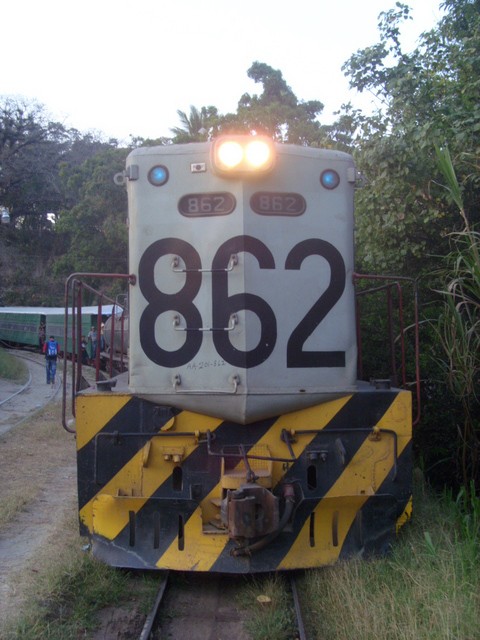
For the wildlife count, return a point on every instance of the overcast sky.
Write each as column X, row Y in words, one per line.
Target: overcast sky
column 124, row 67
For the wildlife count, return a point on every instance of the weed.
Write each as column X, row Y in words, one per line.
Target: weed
column 429, row 543
column 428, row 588
column 11, row 504
column 269, row 604
column 12, row 368
column 70, row 597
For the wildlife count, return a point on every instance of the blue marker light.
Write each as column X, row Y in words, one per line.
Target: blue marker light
column 329, row 179
column 158, row 175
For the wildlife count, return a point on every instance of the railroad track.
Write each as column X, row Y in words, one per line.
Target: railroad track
column 20, row 402
column 203, row 607
column 298, row 610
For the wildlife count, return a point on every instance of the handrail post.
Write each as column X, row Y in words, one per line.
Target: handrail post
column 70, row 287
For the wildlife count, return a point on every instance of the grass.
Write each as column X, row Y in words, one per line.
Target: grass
column 268, row 602
column 11, row 504
column 67, row 598
column 12, row 368
column 42, row 443
column 428, row 588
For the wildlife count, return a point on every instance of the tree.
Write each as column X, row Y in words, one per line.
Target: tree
column 426, row 96
column 94, row 228
column 276, row 112
column 406, row 221
column 31, row 147
column 198, row 126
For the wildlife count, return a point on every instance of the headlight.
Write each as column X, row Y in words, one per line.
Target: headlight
column 229, row 154
column 258, row 153
column 240, row 155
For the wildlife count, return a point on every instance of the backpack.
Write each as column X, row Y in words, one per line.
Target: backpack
column 51, row 349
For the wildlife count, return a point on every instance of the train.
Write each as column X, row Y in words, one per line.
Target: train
column 241, row 439
column 28, row 327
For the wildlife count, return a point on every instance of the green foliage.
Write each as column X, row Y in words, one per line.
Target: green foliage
column 406, row 218
column 198, row 126
column 445, row 165
column 458, row 327
column 24, row 258
column 468, row 508
column 94, row 229
column 40, row 165
column 276, row 112
column 427, row 96
column 270, row 609
column 31, row 147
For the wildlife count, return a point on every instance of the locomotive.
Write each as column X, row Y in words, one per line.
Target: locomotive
column 240, row 439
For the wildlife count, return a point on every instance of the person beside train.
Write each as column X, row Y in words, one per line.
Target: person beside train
column 92, row 343
column 50, row 349
column 102, row 337
column 84, row 347
column 41, row 335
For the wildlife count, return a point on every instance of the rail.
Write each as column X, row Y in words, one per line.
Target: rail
column 152, row 617
column 298, row 609
column 21, row 415
column 215, row 593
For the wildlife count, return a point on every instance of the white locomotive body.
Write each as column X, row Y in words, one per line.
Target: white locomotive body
column 243, row 306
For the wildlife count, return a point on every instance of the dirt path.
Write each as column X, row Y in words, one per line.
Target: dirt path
column 30, row 397
column 38, row 484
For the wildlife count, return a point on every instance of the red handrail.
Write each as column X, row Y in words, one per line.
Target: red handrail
column 389, row 282
column 75, row 284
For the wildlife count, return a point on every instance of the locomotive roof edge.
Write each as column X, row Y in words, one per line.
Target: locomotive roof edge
column 106, row 310
column 194, row 147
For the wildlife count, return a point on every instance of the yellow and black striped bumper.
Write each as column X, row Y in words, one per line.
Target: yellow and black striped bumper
column 151, row 481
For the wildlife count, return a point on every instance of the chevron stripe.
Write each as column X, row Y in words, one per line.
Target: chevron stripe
column 383, row 507
column 194, row 467
column 133, row 476
column 137, row 483
column 349, row 493
column 208, row 548
column 93, row 423
column 360, row 411
column 123, row 415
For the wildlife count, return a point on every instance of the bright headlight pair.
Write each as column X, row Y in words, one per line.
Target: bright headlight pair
column 242, row 154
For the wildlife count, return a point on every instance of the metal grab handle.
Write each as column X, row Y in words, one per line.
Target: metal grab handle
column 233, row 321
column 177, row 381
column 231, row 264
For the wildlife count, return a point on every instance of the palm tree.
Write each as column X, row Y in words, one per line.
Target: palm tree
column 197, row 126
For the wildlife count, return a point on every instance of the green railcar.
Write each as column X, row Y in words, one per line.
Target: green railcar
column 55, row 323
column 30, row 326
column 21, row 328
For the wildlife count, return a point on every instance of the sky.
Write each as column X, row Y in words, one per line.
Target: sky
column 123, row 68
